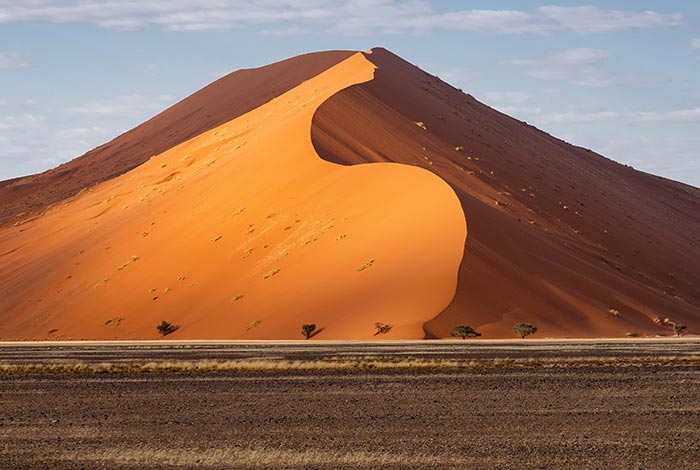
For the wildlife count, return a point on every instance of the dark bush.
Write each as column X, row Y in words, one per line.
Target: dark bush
column 165, row 328
column 307, row 329
column 524, row 329
column 464, row 332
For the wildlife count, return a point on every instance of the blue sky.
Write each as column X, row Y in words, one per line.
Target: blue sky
column 619, row 77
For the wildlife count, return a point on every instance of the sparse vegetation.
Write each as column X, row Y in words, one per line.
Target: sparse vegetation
column 271, row 273
column 253, row 324
column 366, row 265
column 165, row 328
column 113, row 321
column 421, row 124
column 464, row 332
column 382, row 328
column 307, row 329
column 348, row 363
column 614, row 312
column 524, row 329
column 678, row 328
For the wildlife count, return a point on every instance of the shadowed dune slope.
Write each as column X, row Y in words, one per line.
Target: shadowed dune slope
column 217, row 103
column 558, row 235
column 240, row 232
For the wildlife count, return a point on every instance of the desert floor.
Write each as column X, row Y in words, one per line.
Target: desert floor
column 459, row 404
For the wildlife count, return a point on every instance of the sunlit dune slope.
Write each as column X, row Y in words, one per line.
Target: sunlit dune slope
column 225, row 99
column 241, row 232
column 558, row 235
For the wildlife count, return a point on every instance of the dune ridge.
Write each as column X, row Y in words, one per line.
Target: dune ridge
column 219, row 102
column 240, row 232
column 559, row 236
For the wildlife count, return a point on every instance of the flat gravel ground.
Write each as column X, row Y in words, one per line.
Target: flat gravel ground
column 643, row 416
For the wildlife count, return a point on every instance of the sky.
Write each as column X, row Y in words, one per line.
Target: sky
column 619, row 77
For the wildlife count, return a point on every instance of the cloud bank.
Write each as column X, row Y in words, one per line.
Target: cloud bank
column 349, row 17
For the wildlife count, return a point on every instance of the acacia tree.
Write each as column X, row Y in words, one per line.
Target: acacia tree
column 307, row 329
column 524, row 329
column 464, row 332
column 165, row 328
column 382, row 328
column 679, row 329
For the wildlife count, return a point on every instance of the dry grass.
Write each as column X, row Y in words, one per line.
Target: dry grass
column 261, row 457
column 345, row 363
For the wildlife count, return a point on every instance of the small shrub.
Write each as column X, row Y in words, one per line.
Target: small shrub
column 614, row 312
column 382, row 328
column 113, row 321
column 632, row 334
column 524, row 329
column 366, row 265
column 679, row 329
column 165, row 328
column 307, row 329
column 464, row 332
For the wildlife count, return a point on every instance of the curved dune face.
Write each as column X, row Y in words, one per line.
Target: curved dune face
column 558, row 236
column 241, row 232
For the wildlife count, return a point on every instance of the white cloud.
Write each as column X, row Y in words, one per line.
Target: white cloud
column 134, row 106
column 695, row 44
column 508, row 98
column 12, row 60
column 349, row 17
column 21, row 121
column 578, row 66
column 32, row 141
column 537, row 115
column 592, row 19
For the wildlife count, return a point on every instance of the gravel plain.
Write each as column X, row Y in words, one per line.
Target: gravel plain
column 620, row 407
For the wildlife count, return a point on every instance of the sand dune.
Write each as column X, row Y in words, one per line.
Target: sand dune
column 334, row 188
column 241, row 232
column 225, row 99
column 558, row 235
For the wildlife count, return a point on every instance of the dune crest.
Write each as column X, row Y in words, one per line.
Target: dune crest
column 558, row 236
column 240, row 232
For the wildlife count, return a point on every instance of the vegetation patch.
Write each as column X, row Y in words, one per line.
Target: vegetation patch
column 366, row 265
column 348, row 363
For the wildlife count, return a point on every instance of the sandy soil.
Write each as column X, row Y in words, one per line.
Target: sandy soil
column 241, row 232
column 644, row 416
column 223, row 100
column 558, row 235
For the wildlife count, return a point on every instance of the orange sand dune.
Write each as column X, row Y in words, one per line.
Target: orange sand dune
column 240, row 232
column 244, row 232
column 558, row 235
column 225, row 99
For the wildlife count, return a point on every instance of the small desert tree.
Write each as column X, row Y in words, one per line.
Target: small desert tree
column 307, row 329
column 165, row 328
column 464, row 332
column 524, row 329
column 382, row 328
column 679, row 329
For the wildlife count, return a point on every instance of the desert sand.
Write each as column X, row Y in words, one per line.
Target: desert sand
column 242, row 231
column 335, row 188
column 558, row 235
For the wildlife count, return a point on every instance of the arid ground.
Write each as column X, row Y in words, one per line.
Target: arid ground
column 538, row 404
